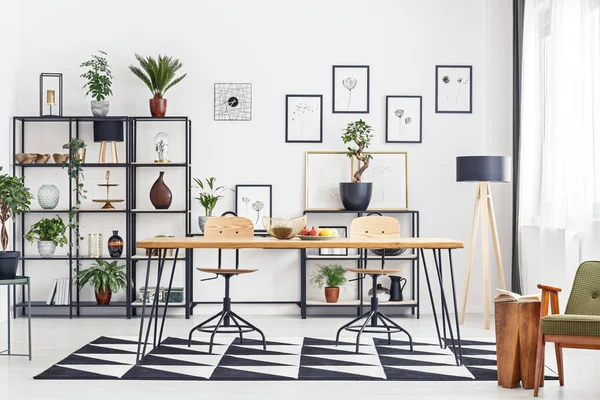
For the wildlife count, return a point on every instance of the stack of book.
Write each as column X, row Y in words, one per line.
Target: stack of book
column 59, row 295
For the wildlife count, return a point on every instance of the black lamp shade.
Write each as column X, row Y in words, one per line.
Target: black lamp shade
column 108, row 131
column 483, row 169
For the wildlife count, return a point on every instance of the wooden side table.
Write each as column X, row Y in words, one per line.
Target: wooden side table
column 19, row 280
column 517, row 326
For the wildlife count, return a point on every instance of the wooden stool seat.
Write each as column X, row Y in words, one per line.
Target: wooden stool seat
column 225, row 271
column 374, row 271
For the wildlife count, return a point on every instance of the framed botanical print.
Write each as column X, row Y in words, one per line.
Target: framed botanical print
column 324, row 172
column 403, row 119
column 351, row 89
column 254, row 202
column 303, row 118
column 454, row 89
column 388, row 170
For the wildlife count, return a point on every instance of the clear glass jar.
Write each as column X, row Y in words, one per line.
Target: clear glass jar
column 162, row 147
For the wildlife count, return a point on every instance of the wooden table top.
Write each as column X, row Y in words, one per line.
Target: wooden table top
column 296, row 243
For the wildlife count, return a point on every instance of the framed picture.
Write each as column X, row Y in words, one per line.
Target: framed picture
column 351, row 89
column 324, row 172
column 254, row 202
column 403, row 119
column 388, row 170
column 343, row 232
column 303, row 118
column 233, row 101
column 454, row 89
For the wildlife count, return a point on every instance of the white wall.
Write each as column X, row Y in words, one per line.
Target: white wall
column 285, row 47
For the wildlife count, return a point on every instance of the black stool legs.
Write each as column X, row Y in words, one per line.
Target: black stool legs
column 225, row 317
column 372, row 316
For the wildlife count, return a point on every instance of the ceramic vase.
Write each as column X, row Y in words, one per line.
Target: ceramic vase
column 48, row 196
column 115, row 245
column 158, row 107
column 103, row 296
column 160, row 194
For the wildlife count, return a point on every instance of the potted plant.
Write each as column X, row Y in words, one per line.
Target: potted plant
column 105, row 277
column 73, row 164
column 15, row 199
column 49, row 232
column 208, row 199
column 159, row 76
column 99, row 80
column 332, row 277
column 356, row 195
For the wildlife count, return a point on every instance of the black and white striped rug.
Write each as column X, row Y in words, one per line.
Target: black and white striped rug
column 301, row 358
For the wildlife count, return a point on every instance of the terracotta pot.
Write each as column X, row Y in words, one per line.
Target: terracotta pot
column 158, row 107
column 160, row 194
column 103, row 296
column 332, row 294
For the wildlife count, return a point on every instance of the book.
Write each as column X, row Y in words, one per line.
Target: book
column 59, row 290
column 506, row 296
column 52, row 293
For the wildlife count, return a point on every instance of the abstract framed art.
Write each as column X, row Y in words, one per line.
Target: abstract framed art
column 351, row 89
column 403, row 119
column 388, row 170
column 304, row 118
column 254, row 202
column 454, row 89
column 324, row 172
column 233, row 101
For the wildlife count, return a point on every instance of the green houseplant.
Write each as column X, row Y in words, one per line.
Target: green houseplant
column 105, row 277
column 356, row 195
column 331, row 277
column 49, row 232
column 159, row 76
column 15, row 199
column 98, row 82
column 208, row 197
column 76, row 148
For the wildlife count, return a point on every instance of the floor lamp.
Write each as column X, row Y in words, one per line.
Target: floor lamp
column 105, row 132
column 483, row 170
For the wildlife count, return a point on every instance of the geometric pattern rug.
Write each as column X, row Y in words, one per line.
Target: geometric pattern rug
column 300, row 358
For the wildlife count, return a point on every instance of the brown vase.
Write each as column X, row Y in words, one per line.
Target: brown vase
column 158, row 107
column 160, row 194
column 332, row 294
column 103, row 296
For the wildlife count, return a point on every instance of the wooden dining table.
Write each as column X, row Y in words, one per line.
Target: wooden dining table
column 162, row 245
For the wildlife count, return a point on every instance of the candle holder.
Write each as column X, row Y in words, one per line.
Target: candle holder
column 51, row 95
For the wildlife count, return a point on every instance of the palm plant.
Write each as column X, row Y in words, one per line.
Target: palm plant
column 158, row 74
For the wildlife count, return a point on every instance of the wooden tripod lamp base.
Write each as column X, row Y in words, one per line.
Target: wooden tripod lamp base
column 102, row 153
column 483, row 169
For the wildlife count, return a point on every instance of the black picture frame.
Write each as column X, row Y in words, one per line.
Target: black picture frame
column 333, row 81
column 238, row 89
column 387, row 128
column 51, row 75
column 437, row 107
column 287, row 116
column 345, row 250
column 244, row 214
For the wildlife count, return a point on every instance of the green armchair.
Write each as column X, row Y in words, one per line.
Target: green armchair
column 578, row 327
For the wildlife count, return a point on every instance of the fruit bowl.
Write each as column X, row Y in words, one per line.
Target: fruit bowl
column 284, row 228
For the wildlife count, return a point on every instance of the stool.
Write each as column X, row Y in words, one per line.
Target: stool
column 19, row 280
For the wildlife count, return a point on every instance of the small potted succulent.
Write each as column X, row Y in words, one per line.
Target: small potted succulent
column 208, row 199
column 331, row 277
column 356, row 195
column 99, row 81
column 49, row 233
column 105, row 277
column 15, row 199
column 159, row 76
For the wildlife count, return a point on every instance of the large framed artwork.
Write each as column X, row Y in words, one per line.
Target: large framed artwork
column 388, row 170
column 403, row 119
column 233, row 101
column 324, row 172
column 454, row 89
column 303, row 118
column 351, row 89
column 254, row 202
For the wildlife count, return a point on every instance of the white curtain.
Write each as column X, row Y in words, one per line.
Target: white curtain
column 559, row 213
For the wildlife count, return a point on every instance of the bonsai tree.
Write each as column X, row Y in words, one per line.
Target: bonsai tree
column 158, row 74
column 208, row 199
column 105, row 277
column 98, row 77
column 15, row 199
column 48, row 230
column 331, row 277
column 359, row 133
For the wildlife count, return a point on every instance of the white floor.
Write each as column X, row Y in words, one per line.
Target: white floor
column 54, row 339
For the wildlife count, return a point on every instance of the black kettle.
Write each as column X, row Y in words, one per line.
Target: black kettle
column 396, row 288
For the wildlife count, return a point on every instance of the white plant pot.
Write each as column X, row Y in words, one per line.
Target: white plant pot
column 201, row 222
column 100, row 108
column 46, row 248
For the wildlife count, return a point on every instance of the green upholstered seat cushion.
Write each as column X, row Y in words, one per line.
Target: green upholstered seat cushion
column 585, row 293
column 572, row 325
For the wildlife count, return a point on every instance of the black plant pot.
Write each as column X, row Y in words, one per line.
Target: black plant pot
column 356, row 196
column 9, row 261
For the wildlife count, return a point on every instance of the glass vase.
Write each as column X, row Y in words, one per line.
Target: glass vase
column 162, row 147
column 95, row 244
